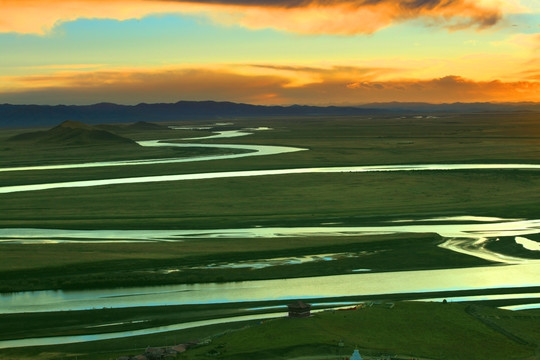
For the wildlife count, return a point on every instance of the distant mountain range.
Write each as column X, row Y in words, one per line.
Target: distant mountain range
column 103, row 113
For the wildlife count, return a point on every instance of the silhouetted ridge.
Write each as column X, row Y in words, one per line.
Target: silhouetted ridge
column 44, row 115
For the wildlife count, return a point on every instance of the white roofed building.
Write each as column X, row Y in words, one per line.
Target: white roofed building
column 356, row 355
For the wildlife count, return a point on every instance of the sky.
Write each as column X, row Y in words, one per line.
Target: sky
column 279, row 52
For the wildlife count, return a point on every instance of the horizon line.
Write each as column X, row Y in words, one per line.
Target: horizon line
column 292, row 105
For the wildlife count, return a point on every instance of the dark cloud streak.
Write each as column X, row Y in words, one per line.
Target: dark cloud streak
column 466, row 13
column 403, row 4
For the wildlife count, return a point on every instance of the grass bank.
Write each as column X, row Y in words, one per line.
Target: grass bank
column 81, row 266
column 411, row 329
column 429, row 330
column 281, row 200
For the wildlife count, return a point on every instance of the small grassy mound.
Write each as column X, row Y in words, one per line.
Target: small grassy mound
column 71, row 133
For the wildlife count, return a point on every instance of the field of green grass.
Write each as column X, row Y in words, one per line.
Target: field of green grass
column 452, row 331
column 79, row 266
column 426, row 330
column 281, row 200
column 295, row 200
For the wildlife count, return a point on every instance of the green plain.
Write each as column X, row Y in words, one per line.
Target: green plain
column 425, row 330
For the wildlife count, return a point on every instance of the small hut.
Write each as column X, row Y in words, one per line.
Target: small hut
column 299, row 309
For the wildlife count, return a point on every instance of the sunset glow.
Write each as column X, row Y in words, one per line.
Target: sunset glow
column 269, row 52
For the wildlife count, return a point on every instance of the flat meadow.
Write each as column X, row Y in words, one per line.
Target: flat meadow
column 292, row 200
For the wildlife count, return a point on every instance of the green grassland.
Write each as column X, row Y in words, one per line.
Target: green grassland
column 423, row 330
column 282, row 200
column 297, row 199
column 429, row 330
column 79, row 266
column 331, row 142
column 407, row 329
column 285, row 200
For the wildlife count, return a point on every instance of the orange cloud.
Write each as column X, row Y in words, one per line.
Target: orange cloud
column 449, row 89
column 359, row 16
column 303, row 75
column 532, row 70
column 224, row 84
column 134, row 86
column 314, row 16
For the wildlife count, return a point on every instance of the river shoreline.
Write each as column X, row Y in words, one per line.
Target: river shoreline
column 346, row 285
column 442, row 243
column 245, row 311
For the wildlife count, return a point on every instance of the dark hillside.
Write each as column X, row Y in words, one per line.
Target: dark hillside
column 19, row 116
column 71, row 133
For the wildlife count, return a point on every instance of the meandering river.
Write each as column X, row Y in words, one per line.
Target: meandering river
column 463, row 234
column 250, row 150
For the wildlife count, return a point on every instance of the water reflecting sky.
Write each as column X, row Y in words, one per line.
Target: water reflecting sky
column 523, row 275
column 467, row 237
column 250, row 173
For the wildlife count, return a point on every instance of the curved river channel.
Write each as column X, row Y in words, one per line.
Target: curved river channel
column 249, row 150
column 464, row 234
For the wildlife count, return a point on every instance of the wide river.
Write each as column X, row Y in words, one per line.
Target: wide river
column 463, row 234
column 488, row 277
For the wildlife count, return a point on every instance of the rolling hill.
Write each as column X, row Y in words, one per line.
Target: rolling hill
column 72, row 133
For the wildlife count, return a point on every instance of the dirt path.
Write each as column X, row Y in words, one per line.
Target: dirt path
column 473, row 311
